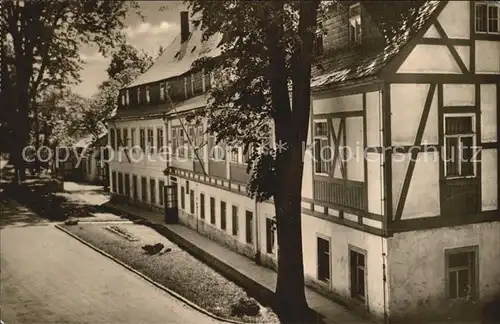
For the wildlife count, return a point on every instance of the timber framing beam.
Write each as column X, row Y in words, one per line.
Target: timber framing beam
column 414, row 153
column 451, row 48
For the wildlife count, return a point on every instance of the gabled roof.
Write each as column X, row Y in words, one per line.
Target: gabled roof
column 353, row 63
column 178, row 58
column 339, row 66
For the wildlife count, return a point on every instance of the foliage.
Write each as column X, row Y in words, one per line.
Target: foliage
column 60, row 112
column 45, row 38
column 128, row 57
column 245, row 307
column 126, row 64
column 264, row 69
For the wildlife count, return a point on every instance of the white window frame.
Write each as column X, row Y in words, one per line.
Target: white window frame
column 323, row 137
column 355, row 21
column 148, row 94
column 474, row 143
column 123, row 99
column 487, row 4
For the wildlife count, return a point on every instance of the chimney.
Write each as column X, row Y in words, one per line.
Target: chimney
column 184, row 26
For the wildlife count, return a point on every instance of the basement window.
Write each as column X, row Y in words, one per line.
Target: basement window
column 355, row 24
column 487, row 17
column 461, row 273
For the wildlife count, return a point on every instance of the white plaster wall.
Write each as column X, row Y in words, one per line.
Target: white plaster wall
column 430, row 59
column 454, row 18
column 432, row 33
column 407, row 105
column 374, row 183
column 488, row 57
column 489, row 118
column 423, row 194
column 489, row 179
column 373, row 119
column 337, row 104
column 464, row 53
column 354, row 149
column 459, row 95
column 341, row 237
column 417, row 264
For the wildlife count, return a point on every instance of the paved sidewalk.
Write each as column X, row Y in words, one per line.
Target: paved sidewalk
column 333, row 312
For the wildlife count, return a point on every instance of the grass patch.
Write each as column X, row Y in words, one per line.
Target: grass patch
column 176, row 270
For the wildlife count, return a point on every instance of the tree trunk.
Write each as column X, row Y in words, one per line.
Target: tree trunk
column 292, row 304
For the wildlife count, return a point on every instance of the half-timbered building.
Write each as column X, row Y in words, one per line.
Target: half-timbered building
column 400, row 187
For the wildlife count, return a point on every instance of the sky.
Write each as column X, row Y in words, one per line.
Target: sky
column 157, row 28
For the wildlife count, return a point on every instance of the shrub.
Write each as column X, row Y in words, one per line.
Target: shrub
column 246, row 306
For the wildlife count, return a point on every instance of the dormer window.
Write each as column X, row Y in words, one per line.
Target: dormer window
column 318, row 40
column 162, row 91
column 138, row 95
column 487, row 17
column 148, row 94
column 355, row 24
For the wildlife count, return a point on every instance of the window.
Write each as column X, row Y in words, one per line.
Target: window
column 249, row 226
column 175, row 141
column 127, row 184
column 148, row 94
column 123, row 99
column 180, row 142
column 323, row 250
column 318, row 40
column 113, row 182
column 459, row 145
column 159, row 139
column 183, row 198
column 212, row 210
column 322, row 150
column 355, row 24
column 461, row 272
column 135, row 193
column 487, row 17
column 161, row 195
column 120, row 183
column 152, row 191
column 235, row 220
column 199, row 141
column 190, row 140
column 269, row 235
column 112, row 139
column 138, row 95
column 163, row 89
column 235, row 153
column 202, row 206
column 144, row 189
column 125, row 137
column 119, row 138
column 127, row 97
column 223, row 215
column 151, row 142
column 208, row 80
column 142, row 139
column 191, row 201
column 132, row 137
column 357, row 273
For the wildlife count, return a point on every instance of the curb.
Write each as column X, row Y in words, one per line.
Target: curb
column 151, row 281
column 194, row 250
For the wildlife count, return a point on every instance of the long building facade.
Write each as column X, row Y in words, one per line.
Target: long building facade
column 403, row 222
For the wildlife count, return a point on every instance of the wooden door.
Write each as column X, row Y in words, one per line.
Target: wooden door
column 171, row 209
